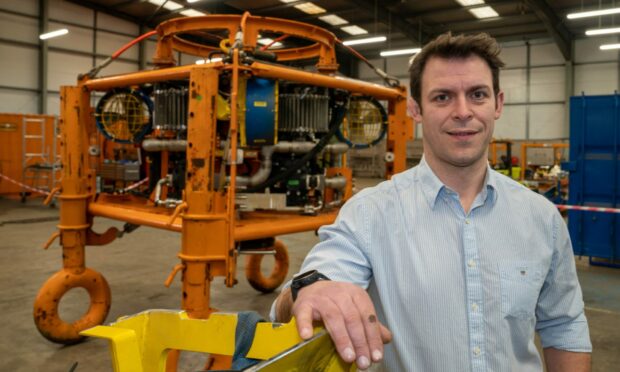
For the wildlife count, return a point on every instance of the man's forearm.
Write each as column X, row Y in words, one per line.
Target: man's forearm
column 284, row 306
column 561, row 360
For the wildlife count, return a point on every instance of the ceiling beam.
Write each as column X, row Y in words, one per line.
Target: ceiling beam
column 412, row 31
column 556, row 29
column 104, row 9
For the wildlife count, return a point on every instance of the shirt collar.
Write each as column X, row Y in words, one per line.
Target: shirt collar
column 432, row 185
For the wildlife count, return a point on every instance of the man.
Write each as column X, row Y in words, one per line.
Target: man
column 462, row 264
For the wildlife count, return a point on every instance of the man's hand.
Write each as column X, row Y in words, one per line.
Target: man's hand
column 348, row 315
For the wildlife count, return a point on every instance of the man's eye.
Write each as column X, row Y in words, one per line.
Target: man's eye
column 441, row 98
column 479, row 94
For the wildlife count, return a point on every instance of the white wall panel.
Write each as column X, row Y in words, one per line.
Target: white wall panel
column 587, row 50
column 63, row 69
column 513, row 83
column 545, row 54
column 117, row 67
column 108, row 22
column 547, row 122
column 29, row 7
column 78, row 38
column 18, row 28
column 70, row 12
column 600, row 78
column 16, row 101
column 108, row 43
column 149, row 51
column 53, row 104
column 397, row 66
column 19, row 66
column 547, row 84
column 514, row 56
column 366, row 72
column 511, row 125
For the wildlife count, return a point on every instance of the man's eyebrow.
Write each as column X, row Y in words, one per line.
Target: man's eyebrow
column 478, row 87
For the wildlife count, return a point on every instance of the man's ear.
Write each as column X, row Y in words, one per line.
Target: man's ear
column 414, row 109
column 499, row 104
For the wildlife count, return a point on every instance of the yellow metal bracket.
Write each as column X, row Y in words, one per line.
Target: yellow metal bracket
column 140, row 343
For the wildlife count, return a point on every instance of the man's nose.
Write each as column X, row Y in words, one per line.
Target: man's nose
column 462, row 109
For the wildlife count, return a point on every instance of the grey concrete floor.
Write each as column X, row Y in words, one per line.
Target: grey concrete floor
column 136, row 267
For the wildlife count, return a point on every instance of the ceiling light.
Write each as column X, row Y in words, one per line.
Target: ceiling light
column 193, row 1
column 333, row 20
column 268, row 41
column 287, row 1
column 367, row 40
column 353, row 30
column 192, row 13
column 470, row 2
column 483, row 12
column 609, row 46
column 593, row 13
column 51, row 34
column 310, row 8
column 170, row 5
column 400, row 52
column 603, row 31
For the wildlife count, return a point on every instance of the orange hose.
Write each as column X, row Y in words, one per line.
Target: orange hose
column 279, row 38
column 132, row 43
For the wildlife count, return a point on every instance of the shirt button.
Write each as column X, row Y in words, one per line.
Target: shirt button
column 471, row 263
column 476, row 351
column 467, row 221
column 474, row 307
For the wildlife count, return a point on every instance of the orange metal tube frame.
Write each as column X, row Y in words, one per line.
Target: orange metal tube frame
column 526, row 146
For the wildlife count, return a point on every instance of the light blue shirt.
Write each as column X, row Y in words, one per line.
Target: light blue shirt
column 460, row 292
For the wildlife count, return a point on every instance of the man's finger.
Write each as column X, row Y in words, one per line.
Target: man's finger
column 371, row 327
column 303, row 315
column 386, row 335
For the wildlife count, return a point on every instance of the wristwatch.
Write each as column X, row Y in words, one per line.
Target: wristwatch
column 305, row 279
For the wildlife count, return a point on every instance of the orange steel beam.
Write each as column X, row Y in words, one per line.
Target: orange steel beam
column 202, row 257
column 324, row 46
column 400, row 130
column 286, row 73
column 245, row 229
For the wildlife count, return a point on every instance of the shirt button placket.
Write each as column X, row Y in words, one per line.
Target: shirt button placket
column 474, row 295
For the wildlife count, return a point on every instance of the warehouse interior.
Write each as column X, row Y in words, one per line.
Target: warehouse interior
column 557, row 135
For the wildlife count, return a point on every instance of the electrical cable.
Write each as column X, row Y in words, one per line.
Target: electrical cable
column 388, row 79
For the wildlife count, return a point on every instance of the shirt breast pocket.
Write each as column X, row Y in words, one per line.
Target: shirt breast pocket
column 520, row 284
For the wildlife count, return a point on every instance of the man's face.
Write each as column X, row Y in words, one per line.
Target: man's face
column 458, row 111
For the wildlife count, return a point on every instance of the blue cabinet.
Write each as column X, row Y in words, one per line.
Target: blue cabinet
column 594, row 174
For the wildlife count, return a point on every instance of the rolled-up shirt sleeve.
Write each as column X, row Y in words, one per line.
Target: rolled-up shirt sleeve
column 340, row 254
column 561, row 322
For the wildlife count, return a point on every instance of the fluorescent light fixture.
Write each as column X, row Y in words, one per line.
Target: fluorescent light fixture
column 483, row 12
column 354, row 30
column 193, row 1
column 400, row 52
column 51, row 34
column 310, row 8
column 287, row 1
column 333, row 20
column 170, row 5
column 603, row 31
column 367, row 40
column 609, row 46
column 203, row 61
column 267, row 41
column 593, row 13
column 192, row 13
column 470, row 2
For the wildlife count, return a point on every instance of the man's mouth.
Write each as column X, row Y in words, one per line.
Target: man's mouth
column 462, row 133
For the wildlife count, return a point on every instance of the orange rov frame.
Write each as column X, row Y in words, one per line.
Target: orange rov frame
column 211, row 227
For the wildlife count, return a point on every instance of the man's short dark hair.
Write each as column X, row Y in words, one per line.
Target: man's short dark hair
column 461, row 46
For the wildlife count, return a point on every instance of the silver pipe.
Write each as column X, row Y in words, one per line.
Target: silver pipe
column 336, row 182
column 263, row 173
column 161, row 145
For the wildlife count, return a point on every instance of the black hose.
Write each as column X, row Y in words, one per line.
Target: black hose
column 338, row 115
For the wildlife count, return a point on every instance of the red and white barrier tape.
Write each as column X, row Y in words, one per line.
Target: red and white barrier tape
column 588, row 209
column 29, row 188
column 40, row 191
